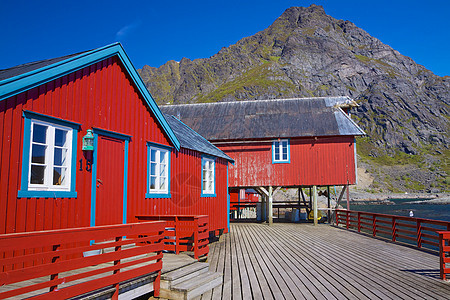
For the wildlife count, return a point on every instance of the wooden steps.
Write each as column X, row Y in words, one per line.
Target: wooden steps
column 189, row 281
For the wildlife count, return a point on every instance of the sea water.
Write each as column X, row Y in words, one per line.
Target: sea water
column 401, row 208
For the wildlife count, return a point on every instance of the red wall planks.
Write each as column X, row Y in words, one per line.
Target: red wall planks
column 186, row 199
column 325, row 161
column 100, row 96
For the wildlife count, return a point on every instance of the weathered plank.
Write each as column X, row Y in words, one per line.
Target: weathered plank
column 300, row 261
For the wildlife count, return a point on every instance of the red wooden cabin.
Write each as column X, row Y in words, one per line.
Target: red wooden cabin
column 142, row 164
column 305, row 142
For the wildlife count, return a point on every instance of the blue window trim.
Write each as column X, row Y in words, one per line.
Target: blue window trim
column 120, row 136
column 204, row 157
column 113, row 134
column 288, row 161
column 24, row 192
column 148, row 194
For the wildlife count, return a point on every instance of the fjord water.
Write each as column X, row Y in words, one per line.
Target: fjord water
column 401, row 208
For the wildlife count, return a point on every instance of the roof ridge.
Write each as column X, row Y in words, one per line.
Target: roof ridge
column 255, row 100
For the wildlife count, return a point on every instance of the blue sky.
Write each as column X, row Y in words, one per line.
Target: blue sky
column 153, row 32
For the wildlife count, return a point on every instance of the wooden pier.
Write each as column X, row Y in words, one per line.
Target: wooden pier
column 301, row 261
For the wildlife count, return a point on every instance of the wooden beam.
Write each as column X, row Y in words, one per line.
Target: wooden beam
column 341, row 195
column 270, row 215
column 348, row 197
column 308, row 209
column 339, row 200
column 276, row 190
column 329, row 204
column 263, row 190
column 314, row 192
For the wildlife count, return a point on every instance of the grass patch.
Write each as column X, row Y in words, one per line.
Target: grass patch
column 256, row 78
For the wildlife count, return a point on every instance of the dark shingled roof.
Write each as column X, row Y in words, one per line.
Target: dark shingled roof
column 28, row 67
column 190, row 139
column 259, row 119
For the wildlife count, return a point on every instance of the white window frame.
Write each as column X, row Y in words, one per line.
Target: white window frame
column 49, row 158
column 208, row 177
column 159, row 151
column 279, row 145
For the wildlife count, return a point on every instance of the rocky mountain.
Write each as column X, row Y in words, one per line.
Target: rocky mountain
column 404, row 108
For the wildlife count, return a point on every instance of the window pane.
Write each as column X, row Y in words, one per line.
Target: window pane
column 153, row 155
column 285, row 150
column 60, row 157
column 162, row 170
column 37, row 174
column 162, row 183
column 152, row 183
column 38, row 154
column 60, row 137
column 39, row 133
column 210, row 186
column 277, row 156
column 162, row 157
column 59, row 176
column 153, row 169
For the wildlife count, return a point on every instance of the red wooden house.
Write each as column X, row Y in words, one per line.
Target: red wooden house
column 306, row 142
column 142, row 163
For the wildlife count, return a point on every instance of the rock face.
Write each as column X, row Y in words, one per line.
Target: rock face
column 404, row 108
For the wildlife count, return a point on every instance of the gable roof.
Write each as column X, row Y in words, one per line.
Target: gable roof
column 190, row 139
column 21, row 78
column 260, row 119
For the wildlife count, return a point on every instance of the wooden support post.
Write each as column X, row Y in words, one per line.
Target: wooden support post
column 329, row 205
column 263, row 208
column 310, row 198
column 270, row 212
column 308, row 208
column 314, row 192
column 264, row 193
column 348, row 197
column 341, row 196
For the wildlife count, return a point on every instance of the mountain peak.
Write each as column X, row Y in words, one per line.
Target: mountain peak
column 307, row 53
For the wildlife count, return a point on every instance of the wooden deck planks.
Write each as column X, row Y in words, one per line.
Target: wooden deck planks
column 392, row 263
column 300, row 261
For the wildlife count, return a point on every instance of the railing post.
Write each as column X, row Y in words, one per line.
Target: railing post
column 157, row 282
column 374, row 225
column 54, row 260
column 116, row 271
column 441, row 256
column 177, row 236
column 359, row 221
column 196, row 237
column 394, row 229
column 419, row 233
column 336, row 215
column 347, row 219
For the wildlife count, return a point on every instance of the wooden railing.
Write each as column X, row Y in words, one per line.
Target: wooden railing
column 422, row 233
column 184, row 233
column 59, row 264
column 444, row 253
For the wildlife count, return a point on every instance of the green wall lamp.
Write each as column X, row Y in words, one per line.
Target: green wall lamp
column 88, row 141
